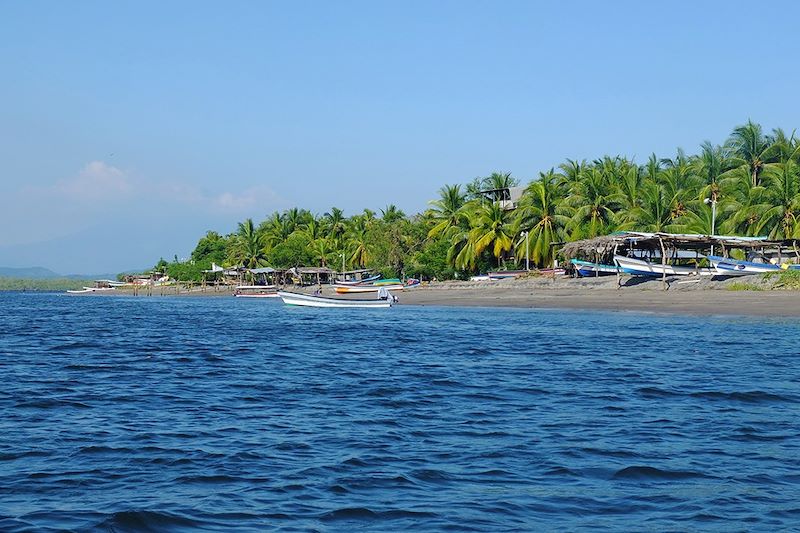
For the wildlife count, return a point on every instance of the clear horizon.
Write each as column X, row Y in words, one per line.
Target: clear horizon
column 128, row 131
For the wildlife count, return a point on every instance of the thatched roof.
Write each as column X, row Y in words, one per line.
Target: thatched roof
column 600, row 246
column 591, row 247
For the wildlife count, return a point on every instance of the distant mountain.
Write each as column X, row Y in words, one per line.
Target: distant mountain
column 28, row 273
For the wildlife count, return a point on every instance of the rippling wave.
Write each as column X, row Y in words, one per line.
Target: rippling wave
column 217, row 414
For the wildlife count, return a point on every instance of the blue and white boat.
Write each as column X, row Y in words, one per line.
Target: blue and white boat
column 736, row 267
column 587, row 268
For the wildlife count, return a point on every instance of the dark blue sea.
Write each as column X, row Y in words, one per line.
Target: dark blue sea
column 218, row 414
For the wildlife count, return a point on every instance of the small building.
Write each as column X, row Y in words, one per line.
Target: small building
column 507, row 197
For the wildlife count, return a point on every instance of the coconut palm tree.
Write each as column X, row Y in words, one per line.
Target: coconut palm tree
column 248, row 249
column 654, row 213
column 275, row 229
column 491, row 229
column 446, row 210
column 321, row 250
column 752, row 149
column 392, row 214
column 358, row 240
column 591, row 207
column 780, row 217
column 537, row 214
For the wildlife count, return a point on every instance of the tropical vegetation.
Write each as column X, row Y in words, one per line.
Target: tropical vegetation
column 749, row 185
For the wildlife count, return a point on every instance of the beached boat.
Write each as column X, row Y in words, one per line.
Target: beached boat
column 389, row 281
column 256, row 291
column 90, row 290
column 733, row 267
column 359, row 281
column 352, row 289
column 587, row 268
column 306, row 300
column 506, row 274
column 639, row 267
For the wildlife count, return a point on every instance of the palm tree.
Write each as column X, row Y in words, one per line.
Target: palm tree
column 446, row 210
column 780, row 217
column 592, row 206
column 752, row 149
column 630, row 187
column 491, row 229
column 297, row 218
column 392, row 214
column 537, row 214
column 742, row 205
column 680, row 183
column 358, row 240
column 321, row 250
column 275, row 229
column 712, row 163
column 655, row 210
column 248, row 247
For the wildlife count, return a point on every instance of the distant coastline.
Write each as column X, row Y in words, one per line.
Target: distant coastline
column 41, row 284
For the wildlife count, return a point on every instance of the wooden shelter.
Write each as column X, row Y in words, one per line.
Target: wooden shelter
column 675, row 246
column 311, row 275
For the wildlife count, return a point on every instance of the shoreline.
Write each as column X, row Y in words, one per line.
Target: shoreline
column 684, row 297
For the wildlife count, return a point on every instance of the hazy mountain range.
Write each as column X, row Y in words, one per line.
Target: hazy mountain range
column 46, row 273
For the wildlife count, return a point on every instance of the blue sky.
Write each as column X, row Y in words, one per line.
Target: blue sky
column 129, row 129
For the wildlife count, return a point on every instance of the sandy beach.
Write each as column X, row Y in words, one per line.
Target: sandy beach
column 694, row 302
column 694, row 297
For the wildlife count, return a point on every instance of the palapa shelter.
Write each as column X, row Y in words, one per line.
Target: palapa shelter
column 265, row 275
column 354, row 275
column 673, row 247
column 311, row 275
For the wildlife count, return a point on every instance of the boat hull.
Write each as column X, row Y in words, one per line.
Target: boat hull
column 734, row 267
column 506, row 274
column 588, row 269
column 256, row 291
column 359, row 281
column 638, row 267
column 348, row 289
column 305, row 300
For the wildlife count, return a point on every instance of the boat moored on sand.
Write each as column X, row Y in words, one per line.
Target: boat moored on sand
column 735, row 267
column 640, row 267
column 351, row 289
column 587, row 268
column 256, row 291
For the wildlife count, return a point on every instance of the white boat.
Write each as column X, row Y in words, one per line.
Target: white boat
column 349, row 289
column 734, row 267
column 638, row 267
column 306, row 300
column 89, row 290
column 256, row 291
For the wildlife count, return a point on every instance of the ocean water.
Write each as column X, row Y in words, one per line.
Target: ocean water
column 220, row 414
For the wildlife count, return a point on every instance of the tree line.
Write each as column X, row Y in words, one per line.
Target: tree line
column 749, row 186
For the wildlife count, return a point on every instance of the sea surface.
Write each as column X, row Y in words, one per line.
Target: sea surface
column 222, row 414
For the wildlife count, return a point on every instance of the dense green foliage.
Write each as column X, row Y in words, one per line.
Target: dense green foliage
column 752, row 180
column 50, row 284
